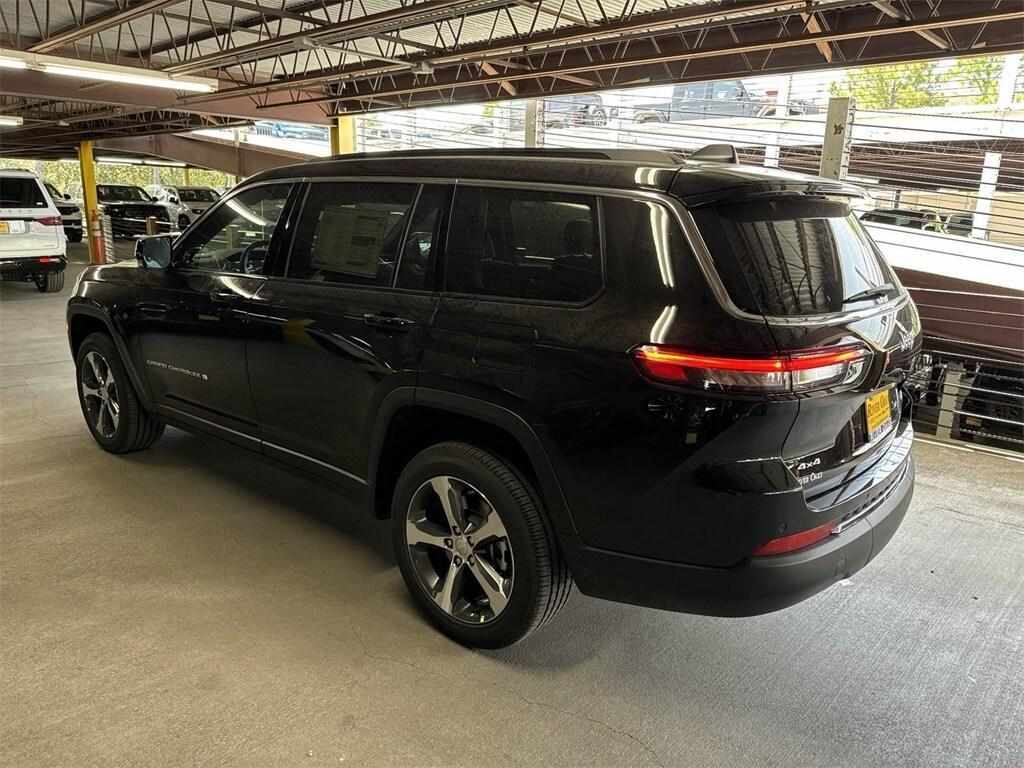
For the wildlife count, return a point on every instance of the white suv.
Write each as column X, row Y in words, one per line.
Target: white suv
column 178, row 212
column 33, row 246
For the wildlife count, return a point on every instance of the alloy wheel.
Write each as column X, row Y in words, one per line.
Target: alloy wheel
column 460, row 550
column 99, row 393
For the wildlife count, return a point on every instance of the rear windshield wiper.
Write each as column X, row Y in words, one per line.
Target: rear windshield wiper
column 871, row 293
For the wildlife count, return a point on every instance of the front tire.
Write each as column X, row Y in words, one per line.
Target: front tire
column 475, row 547
column 50, row 282
column 109, row 403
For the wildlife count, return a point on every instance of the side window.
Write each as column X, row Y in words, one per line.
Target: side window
column 352, row 232
column 236, row 236
column 524, row 244
column 418, row 257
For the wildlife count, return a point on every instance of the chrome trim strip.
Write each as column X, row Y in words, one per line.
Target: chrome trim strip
column 310, row 459
column 176, row 413
column 875, row 504
column 186, row 415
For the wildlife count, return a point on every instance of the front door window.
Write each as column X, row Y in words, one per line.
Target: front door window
column 236, row 237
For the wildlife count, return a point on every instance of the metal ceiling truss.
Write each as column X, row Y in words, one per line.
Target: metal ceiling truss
column 308, row 60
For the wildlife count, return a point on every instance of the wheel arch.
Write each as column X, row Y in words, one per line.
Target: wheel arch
column 84, row 319
column 411, row 419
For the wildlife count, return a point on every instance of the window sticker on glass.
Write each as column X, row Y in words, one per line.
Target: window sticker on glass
column 349, row 240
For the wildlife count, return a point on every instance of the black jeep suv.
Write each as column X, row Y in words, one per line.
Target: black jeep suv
column 675, row 382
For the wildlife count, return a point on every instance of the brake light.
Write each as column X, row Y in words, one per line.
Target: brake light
column 793, row 372
column 49, row 259
column 794, row 541
column 49, row 221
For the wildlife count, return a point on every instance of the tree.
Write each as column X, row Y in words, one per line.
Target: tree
column 902, row 86
column 981, row 75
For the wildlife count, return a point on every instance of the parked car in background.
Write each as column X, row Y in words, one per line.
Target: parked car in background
column 129, row 207
column 177, row 211
column 924, row 219
column 198, row 199
column 70, row 213
column 184, row 203
column 298, row 131
column 33, row 246
column 960, row 223
column 530, row 363
column 576, row 109
column 703, row 101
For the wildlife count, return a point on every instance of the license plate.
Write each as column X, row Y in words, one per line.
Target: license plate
column 12, row 227
column 878, row 413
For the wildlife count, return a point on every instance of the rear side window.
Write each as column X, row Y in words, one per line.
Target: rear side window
column 358, row 233
column 788, row 257
column 524, row 244
column 21, row 192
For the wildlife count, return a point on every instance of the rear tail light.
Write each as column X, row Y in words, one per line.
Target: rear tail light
column 795, row 372
column 49, row 221
column 794, row 541
column 49, row 259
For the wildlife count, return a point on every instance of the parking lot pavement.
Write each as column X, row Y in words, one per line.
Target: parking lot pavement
column 198, row 605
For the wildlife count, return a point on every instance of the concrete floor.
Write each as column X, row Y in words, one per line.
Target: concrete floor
column 198, row 605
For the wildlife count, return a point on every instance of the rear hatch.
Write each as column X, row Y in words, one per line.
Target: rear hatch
column 798, row 258
column 28, row 220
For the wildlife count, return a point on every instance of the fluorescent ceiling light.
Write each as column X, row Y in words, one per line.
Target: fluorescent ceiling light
column 140, row 161
column 7, row 120
column 131, row 77
column 97, row 70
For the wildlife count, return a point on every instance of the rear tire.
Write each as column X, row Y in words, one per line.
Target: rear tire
column 50, row 282
column 110, row 405
column 74, row 236
column 515, row 552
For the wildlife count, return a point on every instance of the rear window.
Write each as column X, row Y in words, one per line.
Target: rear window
column 21, row 192
column 198, row 196
column 787, row 257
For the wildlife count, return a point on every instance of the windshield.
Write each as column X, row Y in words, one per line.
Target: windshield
column 791, row 256
column 198, row 196
column 116, row 193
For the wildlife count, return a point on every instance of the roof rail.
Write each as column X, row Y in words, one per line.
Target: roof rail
column 630, row 154
column 716, row 153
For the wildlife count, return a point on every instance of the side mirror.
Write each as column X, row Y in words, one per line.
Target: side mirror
column 153, row 252
column 172, row 199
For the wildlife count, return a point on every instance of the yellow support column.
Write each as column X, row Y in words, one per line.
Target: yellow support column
column 343, row 135
column 187, row 179
column 92, row 203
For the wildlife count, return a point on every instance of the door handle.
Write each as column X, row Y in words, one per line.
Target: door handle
column 389, row 321
column 152, row 309
column 224, row 296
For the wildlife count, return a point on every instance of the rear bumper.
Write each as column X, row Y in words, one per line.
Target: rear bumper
column 26, row 268
column 755, row 586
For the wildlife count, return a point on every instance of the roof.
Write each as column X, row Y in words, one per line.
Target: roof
column 630, row 169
